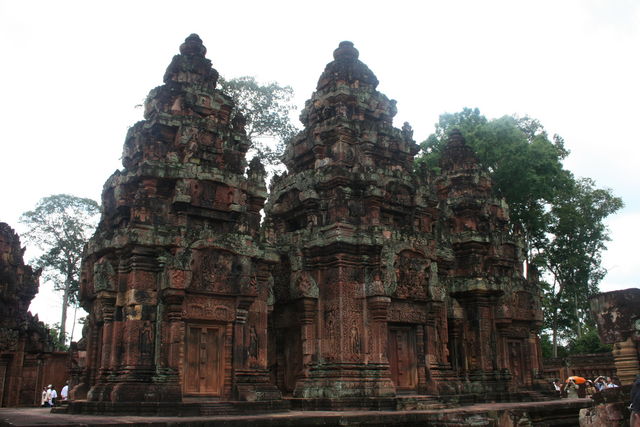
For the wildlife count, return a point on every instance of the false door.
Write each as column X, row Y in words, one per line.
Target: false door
column 402, row 357
column 204, row 373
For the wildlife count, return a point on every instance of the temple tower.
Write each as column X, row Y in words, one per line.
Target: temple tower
column 494, row 313
column 356, row 292
column 175, row 277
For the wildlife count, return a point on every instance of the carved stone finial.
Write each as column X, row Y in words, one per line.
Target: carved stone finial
column 346, row 51
column 407, row 131
column 193, row 46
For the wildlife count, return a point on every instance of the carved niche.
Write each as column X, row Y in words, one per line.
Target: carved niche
column 104, row 275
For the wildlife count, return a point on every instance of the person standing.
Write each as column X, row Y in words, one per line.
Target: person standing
column 64, row 393
column 557, row 388
column 44, row 401
column 49, row 401
column 572, row 390
column 54, row 396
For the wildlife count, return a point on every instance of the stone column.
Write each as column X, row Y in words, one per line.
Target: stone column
column 169, row 344
column 172, row 331
column 379, row 309
column 625, row 356
column 239, row 354
column 249, row 383
column 100, row 348
column 308, row 312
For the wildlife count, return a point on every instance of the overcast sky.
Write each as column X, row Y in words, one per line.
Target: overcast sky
column 73, row 72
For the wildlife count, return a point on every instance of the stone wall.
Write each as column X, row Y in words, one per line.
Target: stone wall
column 584, row 365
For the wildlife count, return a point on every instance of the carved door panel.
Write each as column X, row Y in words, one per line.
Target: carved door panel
column 203, row 373
column 402, row 357
column 516, row 361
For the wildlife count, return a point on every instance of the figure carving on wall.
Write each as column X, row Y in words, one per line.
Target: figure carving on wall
column 146, row 343
column 253, row 343
column 355, row 344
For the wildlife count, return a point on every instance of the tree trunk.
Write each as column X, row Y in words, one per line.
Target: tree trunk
column 577, row 313
column 65, row 302
column 555, row 334
column 73, row 325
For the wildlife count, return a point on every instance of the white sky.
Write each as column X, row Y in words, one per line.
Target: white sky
column 73, row 71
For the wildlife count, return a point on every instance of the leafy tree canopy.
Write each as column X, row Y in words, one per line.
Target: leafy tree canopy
column 525, row 164
column 267, row 110
column 588, row 343
column 60, row 225
column 547, row 347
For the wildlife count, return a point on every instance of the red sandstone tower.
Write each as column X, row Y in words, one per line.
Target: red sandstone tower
column 494, row 313
column 358, row 285
column 175, row 278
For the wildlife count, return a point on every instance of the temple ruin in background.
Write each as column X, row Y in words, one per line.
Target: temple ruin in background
column 28, row 360
column 367, row 280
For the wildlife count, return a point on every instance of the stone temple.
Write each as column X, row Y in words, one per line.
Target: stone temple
column 365, row 282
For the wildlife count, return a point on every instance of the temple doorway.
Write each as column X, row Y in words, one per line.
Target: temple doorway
column 204, row 360
column 403, row 357
column 289, row 363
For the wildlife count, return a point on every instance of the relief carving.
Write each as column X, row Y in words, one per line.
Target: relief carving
column 200, row 307
column 412, row 273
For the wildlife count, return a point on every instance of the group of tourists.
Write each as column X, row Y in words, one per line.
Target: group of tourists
column 50, row 395
column 575, row 387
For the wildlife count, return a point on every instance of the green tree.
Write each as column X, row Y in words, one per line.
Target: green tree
column 525, row 164
column 588, row 343
column 572, row 255
column 60, row 225
column 547, row 347
column 267, row 110
column 58, row 339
